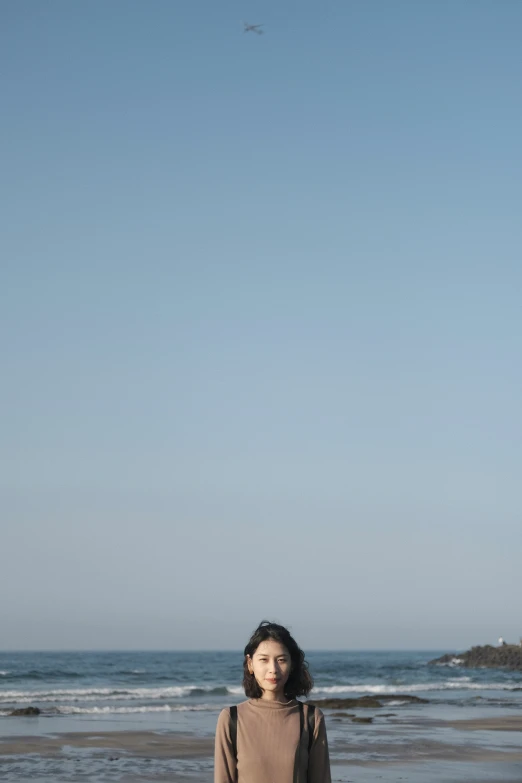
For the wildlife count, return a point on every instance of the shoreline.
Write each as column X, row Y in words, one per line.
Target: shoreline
column 174, row 744
column 463, row 751
column 143, row 743
column 502, row 723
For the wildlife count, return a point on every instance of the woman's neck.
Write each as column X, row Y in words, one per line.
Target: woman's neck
column 274, row 697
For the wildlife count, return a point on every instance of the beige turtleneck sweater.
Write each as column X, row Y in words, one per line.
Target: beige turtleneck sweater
column 267, row 740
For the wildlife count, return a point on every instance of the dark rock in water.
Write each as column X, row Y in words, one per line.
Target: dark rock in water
column 368, row 702
column 508, row 656
column 25, row 711
column 341, row 704
column 362, row 720
column 388, row 715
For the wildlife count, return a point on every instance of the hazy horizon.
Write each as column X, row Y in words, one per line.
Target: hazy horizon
column 221, row 650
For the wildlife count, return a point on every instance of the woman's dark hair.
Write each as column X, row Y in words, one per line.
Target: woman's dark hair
column 300, row 682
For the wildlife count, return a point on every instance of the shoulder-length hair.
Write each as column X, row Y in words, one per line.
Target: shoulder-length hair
column 300, row 682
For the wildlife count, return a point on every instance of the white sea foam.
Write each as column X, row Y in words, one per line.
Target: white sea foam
column 115, row 698
column 107, row 694
column 457, row 684
column 459, row 679
column 455, row 661
column 4, row 674
column 68, row 710
column 65, row 709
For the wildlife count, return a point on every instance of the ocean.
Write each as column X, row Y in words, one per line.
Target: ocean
column 184, row 692
column 130, row 683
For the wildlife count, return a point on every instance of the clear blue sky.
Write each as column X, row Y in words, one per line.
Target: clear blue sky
column 260, row 322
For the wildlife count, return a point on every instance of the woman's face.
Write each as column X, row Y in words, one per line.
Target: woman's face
column 271, row 665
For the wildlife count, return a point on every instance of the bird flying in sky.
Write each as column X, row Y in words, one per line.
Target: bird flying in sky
column 252, row 28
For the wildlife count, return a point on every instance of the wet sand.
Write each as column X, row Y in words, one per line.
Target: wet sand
column 458, row 754
column 134, row 743
column 506, row 723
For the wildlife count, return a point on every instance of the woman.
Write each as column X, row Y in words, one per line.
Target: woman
column 272, row 737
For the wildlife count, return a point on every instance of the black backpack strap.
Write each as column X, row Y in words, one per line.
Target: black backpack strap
column 298, row 748
column 233, row 730
column 311, row 726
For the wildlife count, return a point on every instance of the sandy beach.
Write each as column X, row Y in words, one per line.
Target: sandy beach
column 442, row 750
column 505, row 723
column 134, row 743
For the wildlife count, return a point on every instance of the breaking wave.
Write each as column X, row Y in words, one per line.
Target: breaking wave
column 109, row 710
column 459, row 683
column 66, row 710
column 114, row 694
column 454, row 662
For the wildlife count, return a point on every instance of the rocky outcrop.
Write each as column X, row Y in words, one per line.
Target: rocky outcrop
column 507, row 656
column 25, row 711
column 368, row 702
column 346, row 704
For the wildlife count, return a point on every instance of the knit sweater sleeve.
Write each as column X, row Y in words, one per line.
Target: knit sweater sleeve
column 319, row 760
column 225, row 770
